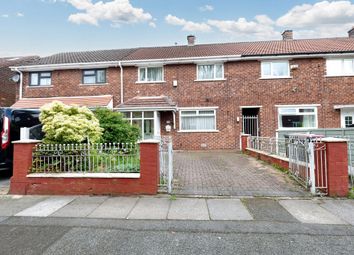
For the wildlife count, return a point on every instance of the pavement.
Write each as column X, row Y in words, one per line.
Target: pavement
column 175, row 225
column 309, row 211
column 228, row 173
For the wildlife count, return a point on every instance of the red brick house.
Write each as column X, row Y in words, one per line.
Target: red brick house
column 8, row 87
column 206, row 95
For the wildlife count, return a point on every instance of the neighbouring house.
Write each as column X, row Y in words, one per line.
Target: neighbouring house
column 8, row 86
column 205, row 95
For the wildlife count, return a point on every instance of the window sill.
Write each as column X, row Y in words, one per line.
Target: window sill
column 198, row 131
column 275, row 78
column 339, row 75
column 211, row 80
column 40, row 86
column 93, row 84
column 149, row 82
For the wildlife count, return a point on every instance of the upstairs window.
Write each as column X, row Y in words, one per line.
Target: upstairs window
column 297, row 117
column 150, row 74
column 275, row 69
column 41, row 79
column 94, row 76
column 210, row 72
column 340, row 67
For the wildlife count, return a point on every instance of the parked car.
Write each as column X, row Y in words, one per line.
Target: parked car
column 11, row 121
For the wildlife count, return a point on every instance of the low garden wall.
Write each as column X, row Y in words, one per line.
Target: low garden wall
column 146, row 182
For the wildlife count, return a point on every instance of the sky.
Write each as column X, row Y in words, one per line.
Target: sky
column 45, row 27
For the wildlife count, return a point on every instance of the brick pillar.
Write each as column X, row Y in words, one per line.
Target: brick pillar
column 150, row 165
column 22, row 163
column 337, row 166
column 244, row 141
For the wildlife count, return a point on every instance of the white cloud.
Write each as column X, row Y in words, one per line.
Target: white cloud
column 116, row 11
column 321, row 13
column 19, row 14
column 187, row 25
column 259, row 28
column 5, row 15
column 206, row 8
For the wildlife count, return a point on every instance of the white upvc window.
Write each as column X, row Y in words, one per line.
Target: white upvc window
column 150, row 74
column 144, row 120
column 198, row 120
column 347, row 117
column 340, row 67
column 210, row 72
column 297, row 117
column 275, row 69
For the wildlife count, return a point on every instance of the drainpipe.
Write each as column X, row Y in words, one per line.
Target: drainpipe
column 21, row 78
column 121, row 83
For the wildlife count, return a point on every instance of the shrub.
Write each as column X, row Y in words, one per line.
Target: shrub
column 115, row 128
column 69, row 124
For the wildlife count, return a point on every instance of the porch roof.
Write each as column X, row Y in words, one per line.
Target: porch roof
column 152, row 103
column 89, row 101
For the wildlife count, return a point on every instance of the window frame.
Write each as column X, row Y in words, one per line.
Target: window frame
column 93, row 75
column 271, row 76
column 146, row 73
column 40, row 76
column 298, row 113
column 214, row 73
column 197, row 110
column 342, row 73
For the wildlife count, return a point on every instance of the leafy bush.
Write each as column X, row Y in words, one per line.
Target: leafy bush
column 69, row 124
column 115, row 128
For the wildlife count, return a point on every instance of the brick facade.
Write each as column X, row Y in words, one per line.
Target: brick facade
column 242, row 87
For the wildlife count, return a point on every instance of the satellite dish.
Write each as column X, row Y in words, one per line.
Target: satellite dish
column 15, row 78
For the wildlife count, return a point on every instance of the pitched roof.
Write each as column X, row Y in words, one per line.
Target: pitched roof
column 89, row 101
column 155, row 102
column 244, row 49
column 22, row 60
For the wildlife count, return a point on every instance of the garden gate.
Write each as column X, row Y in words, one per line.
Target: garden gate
column 166, row 163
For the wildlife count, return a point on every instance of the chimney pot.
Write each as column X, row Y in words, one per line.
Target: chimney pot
column 287, row 35
column 191, row 40
column 351, row 33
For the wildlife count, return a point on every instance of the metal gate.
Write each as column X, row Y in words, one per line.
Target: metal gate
column 250, row 125
column 166, row 163
column 308, row 165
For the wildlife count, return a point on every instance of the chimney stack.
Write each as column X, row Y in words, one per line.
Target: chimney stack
column 351, row 33
column 287, row 35
column 191, row 40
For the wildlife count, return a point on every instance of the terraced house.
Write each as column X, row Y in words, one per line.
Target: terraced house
column 205, row 95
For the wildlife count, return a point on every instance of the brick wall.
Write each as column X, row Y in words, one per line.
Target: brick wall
column 242, row 87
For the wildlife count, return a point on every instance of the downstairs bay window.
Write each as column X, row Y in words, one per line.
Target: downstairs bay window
column 297, row 117
column 201, row 120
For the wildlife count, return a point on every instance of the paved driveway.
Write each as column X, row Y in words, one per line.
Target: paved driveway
column 230, row 174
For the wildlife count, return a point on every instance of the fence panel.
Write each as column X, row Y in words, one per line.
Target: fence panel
column 86, row 158
column 166, row 163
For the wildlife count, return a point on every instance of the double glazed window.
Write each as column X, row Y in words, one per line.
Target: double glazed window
column 198, row 120
column 299, row 117
column 143, row 120
column 150, row 74
column 41, row 79
column 338, row 67
column 275, row 69
column 210, row 72
column 94, row 76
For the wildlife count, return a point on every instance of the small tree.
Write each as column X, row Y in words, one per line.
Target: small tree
column 69, row 124
column 115, row 128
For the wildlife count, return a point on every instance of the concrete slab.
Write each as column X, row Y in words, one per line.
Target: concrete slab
column 80, row 207
column 150, row 208
column 115, row 207
column 46, row 207
column 10, row 205
column 266, row 209
column 188, row 209
column 228, row 209
column 308, row 211
column 344, row 209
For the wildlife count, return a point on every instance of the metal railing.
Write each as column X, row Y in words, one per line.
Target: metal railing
column 269, row 145
column 86, row 158
column 166, row 163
